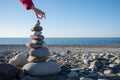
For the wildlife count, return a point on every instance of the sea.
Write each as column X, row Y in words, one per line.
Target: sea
column 61, row 41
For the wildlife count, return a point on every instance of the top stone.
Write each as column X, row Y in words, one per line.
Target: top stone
column 37, row 27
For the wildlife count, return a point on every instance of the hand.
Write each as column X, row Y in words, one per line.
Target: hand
column 39, row 14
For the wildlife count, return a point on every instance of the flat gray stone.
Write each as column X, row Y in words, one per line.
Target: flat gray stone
column 39, row 52
column 41, row 69
column 19, row 60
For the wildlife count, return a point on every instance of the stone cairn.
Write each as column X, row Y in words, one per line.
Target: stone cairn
column 38, row 55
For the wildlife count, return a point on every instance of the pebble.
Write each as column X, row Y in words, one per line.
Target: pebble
column 84, row 78
column 37, row 27
column 85, row 56
column 72, row 74
column 117, row 61
column 1, row 55
column 107, row 72
column 96, row 63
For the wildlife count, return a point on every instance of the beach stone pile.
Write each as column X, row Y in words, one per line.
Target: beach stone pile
column 38, row 55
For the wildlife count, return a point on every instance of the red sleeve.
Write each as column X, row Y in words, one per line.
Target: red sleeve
column 27, row 3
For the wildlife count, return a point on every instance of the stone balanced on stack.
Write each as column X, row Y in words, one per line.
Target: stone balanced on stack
column 38, row 55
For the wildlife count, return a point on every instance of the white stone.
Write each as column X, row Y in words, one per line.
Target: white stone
column 117, row 61
column 37, row 33
column 86, row 56
column 39, row 42
column 41, row 69
column 112, row 65
column 108, row 72
column 72, row 74
column 84, row 78
column 18, row 60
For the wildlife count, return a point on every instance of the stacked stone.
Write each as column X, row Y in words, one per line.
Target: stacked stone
column 38, row 53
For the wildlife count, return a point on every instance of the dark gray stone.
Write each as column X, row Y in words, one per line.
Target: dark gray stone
column 1, row 55
column 37, row 27
column 39, row 52
column 8, row 72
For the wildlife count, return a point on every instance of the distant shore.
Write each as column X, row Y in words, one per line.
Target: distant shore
column 113, row 48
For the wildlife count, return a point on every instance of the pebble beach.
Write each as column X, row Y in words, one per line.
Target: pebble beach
column 78, row 62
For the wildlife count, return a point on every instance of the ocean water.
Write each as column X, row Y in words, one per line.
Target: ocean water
column 62, row 41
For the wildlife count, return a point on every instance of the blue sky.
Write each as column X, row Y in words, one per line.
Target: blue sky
column 64, row 18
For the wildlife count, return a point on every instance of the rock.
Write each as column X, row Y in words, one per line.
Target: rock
column 41, row 69
column 37, row 33
column 32, row 45
column 84, row 78
column 112, row 65
column 109, row 55
column 72, row 74
column 37, row 27
column 8, row 72
column 85, row 56
column 75, row 69
column 39, row 52
column 94, row 56
column 39, row 42
column 41, row 37
column 92, row 75
column 2, row 58
column 1, row 55
column 35, row 59
column 66, row 67
column 87, row 61
column 18, row 60
column 108, row 72
column 96, row 63
column 117, row 61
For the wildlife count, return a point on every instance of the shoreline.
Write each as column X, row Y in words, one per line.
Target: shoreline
column 96, row 48
column 72, row 45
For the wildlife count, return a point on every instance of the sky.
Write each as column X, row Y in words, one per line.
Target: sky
column 64, row 18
